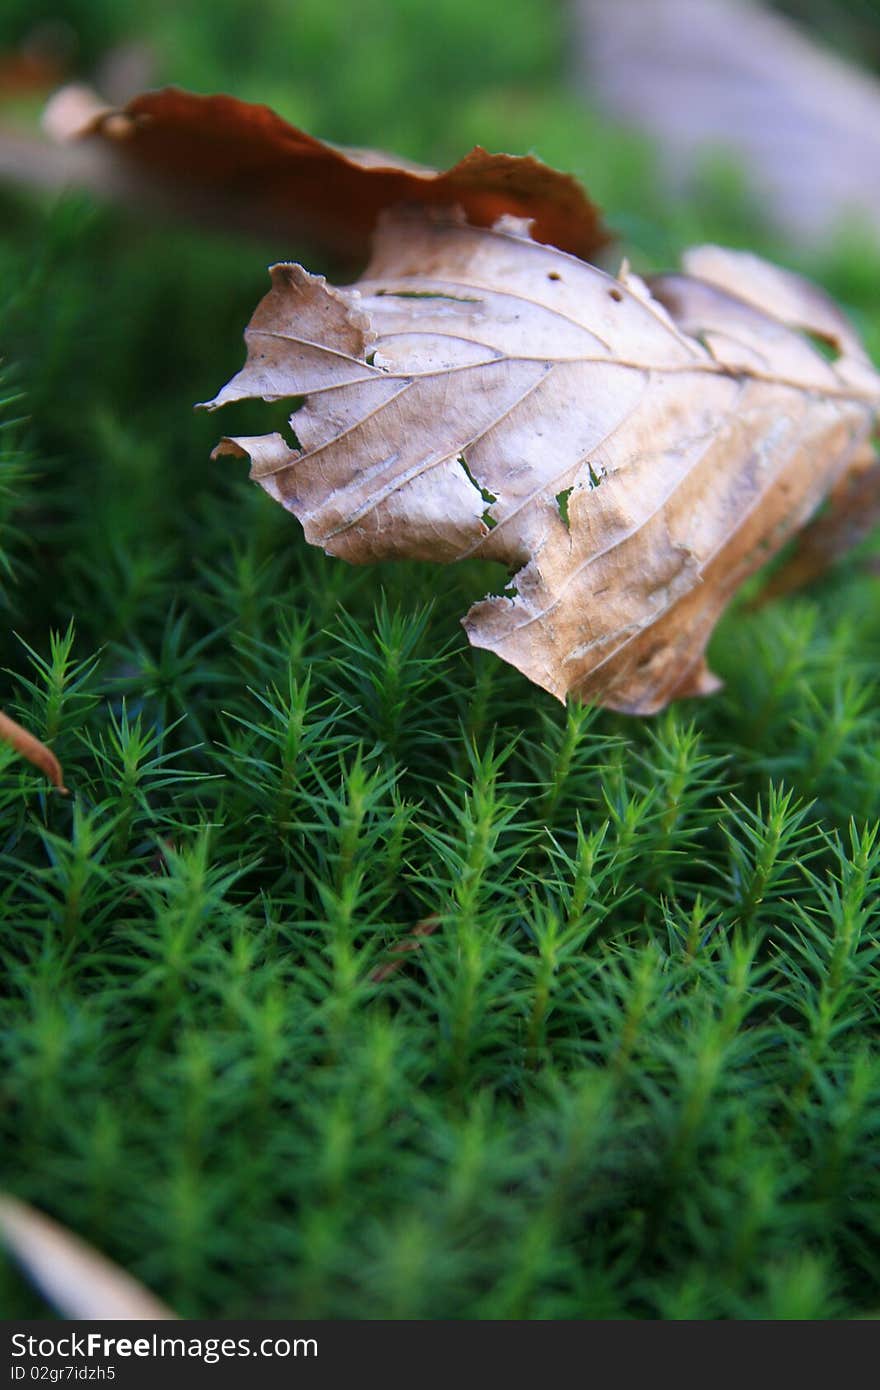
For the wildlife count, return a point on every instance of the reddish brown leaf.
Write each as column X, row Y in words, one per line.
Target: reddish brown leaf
column 245, row 164
column 401, row 949
column 31, row 748
column 24, row 72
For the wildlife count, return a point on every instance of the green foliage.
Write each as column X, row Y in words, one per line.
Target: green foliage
column 627, row 1066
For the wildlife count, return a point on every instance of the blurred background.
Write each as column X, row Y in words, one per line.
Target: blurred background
column 719, row 120
column 726, row 96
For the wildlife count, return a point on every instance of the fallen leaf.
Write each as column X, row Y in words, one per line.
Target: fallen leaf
column 31, row 748
column 630, row 452
column 25, row 72
column 74, row 1278
column 37, row 64
column 401, row 949
column 852, row 513
column 242, row 164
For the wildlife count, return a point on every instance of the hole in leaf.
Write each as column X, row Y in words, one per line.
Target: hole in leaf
column 826, row 346
column 562, row 503
column 264, row 417
column 508, row 589
column 280, row 413
column 484, row 492
column 595, row 478
column 370, row 359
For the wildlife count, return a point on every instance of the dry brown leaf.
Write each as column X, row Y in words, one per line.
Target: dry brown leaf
column 401, row 949
column 630, row 454
column 244, row 164
column 31, row 748
column 852, row 514
column 37, row 64
column 75, row 1279
column 25, row 72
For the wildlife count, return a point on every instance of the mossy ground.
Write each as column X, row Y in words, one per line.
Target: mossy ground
column 633, row 1071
